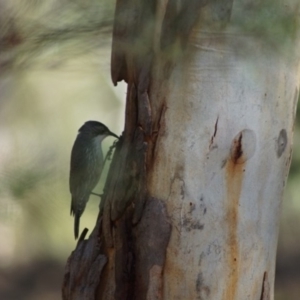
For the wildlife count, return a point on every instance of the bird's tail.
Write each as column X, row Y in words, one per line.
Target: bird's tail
column 76, row 224
column 76, row 211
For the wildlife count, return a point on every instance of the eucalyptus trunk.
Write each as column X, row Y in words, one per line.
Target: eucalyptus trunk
column 193, row 197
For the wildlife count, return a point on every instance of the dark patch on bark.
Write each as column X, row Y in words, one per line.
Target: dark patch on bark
column 189, row 224
column 110, row 189
column 203, row 290
column 124, row 258
column 84, row 268
column 223, row 163
column 237, row 150
column 152, row 239
column 131, row 187
column 140, row 248
column 281, row 142
column 211, row 144
column 107, row 233
column 243, row 146
column 199, row 282
column 192, row 207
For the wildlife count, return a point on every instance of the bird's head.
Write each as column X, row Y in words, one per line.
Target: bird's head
column 95, row 128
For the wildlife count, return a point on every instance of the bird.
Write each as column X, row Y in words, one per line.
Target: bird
column 86, row 166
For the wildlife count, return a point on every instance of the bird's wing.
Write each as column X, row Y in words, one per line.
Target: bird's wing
column 85, row 169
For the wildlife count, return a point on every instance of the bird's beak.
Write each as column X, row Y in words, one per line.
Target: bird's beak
column 112, row 134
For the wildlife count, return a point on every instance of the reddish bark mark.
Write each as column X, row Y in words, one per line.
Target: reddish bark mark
column 234, row 180
column 265, row 291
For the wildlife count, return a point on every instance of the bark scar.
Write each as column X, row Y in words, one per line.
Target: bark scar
column 211, row 145
column 157, row 131
column 238, row 149
column 265, row 290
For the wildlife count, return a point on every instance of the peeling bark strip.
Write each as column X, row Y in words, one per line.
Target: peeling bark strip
column 133, row 35
column 83, row 269
column 122, row 32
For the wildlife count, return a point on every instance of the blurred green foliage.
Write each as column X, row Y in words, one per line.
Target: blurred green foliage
column 275, row 21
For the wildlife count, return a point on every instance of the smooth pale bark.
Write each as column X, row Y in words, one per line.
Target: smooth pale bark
column 221, row 166
column 222, row 161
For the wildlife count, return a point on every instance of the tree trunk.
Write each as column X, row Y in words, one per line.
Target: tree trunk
column 192, row 201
